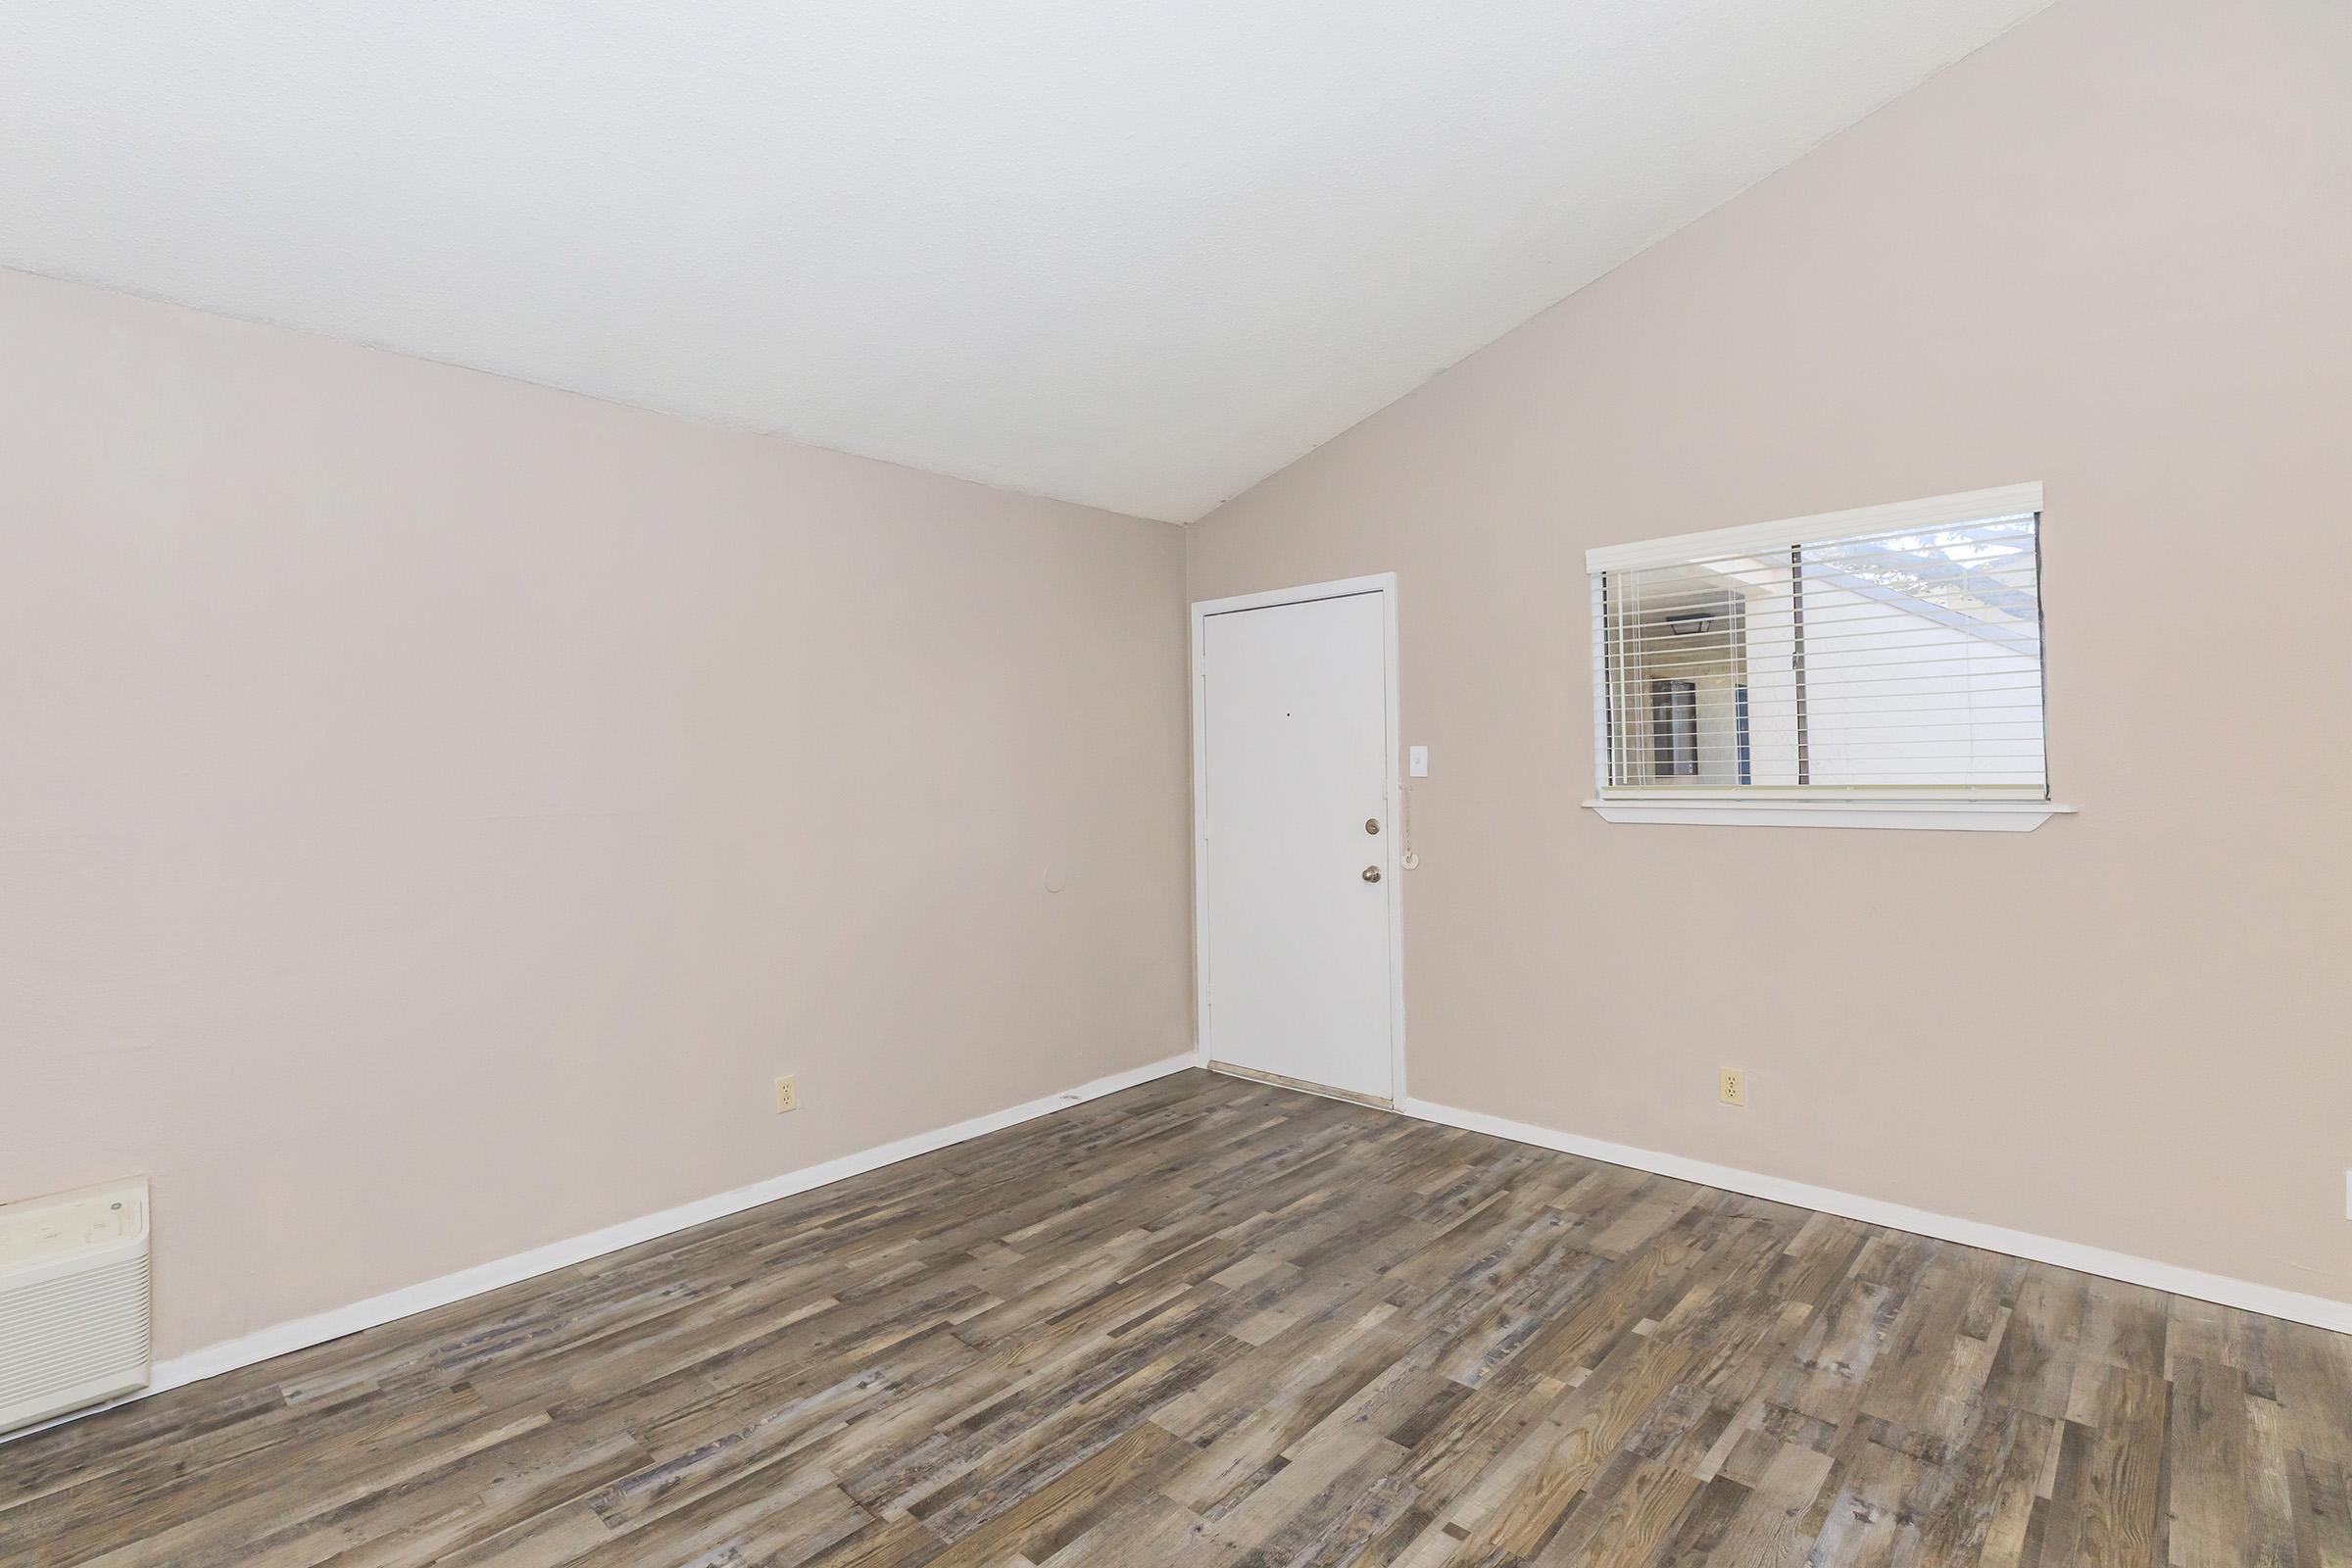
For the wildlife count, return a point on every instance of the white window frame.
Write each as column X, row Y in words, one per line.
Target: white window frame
column 1815, row 808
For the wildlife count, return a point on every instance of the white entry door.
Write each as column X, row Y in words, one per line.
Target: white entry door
column 1296, row 858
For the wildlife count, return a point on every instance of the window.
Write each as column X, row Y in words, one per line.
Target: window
column 1880, row 668
column 1673, row 728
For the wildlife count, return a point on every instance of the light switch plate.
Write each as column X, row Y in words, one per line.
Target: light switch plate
column 1416, row 762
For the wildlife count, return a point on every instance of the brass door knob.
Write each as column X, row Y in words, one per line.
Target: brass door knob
column 1371, row 873
column 1371, row 824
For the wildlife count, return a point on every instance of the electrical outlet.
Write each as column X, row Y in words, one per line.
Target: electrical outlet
column 1731, row 1086
column 788, row 1095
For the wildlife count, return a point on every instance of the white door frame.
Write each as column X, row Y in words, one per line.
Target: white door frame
column 1390, row 838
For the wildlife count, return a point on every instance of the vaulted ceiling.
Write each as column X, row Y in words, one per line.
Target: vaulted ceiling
column 1137, row 253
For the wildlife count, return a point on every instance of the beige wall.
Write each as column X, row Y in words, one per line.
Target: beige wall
column 433, row 809
column 2112, row 252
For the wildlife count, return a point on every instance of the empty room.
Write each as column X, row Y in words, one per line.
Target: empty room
column 1052, row 785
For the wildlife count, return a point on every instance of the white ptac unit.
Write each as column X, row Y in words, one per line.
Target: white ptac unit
column 72, row 1300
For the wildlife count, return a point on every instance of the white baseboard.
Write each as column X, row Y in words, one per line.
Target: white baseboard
column 2294, row 1305
column 285, row 1337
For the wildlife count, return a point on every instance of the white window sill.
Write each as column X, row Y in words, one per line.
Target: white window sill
column 1975, row 817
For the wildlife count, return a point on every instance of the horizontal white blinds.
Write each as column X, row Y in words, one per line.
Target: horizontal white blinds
column 1903, row 659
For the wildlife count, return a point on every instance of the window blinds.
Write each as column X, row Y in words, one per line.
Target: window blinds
column 1891, row 650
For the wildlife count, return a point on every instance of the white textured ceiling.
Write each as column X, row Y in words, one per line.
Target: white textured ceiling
column 1139, row 252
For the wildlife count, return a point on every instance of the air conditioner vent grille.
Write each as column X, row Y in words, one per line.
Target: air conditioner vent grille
column 74, row 1302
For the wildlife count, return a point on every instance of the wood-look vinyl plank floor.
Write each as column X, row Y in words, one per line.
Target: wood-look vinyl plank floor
column 1221, row 1323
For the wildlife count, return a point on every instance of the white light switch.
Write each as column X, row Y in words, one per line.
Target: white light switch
column 1416, row 762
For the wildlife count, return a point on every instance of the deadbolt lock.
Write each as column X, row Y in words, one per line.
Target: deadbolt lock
column 1371, row 824
column 1371, row 873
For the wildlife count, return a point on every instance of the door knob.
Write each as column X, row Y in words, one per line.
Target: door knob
column 1371, row 824
column 1371, row 873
